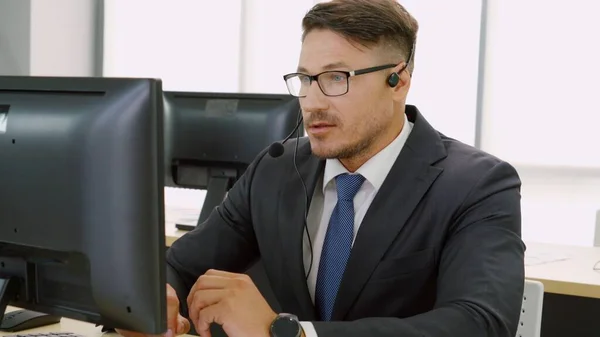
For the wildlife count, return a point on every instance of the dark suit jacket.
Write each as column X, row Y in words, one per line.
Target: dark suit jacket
column 439, row 252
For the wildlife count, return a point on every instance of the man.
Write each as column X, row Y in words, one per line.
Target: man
column 408, row 233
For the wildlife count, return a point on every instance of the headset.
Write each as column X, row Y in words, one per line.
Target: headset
column 394, row 77
column 276, row 150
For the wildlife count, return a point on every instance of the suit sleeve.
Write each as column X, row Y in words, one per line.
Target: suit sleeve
column 481, row 272
column 225, row 241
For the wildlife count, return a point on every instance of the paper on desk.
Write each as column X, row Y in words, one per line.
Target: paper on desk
column 539, row 258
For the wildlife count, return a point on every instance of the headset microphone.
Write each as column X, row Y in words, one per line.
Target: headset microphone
column 276, row 149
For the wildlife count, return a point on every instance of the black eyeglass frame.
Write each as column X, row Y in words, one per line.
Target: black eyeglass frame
column 315, row 78
column 348, row 74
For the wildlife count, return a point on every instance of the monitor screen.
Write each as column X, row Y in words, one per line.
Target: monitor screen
column 211, row 138
column 81, row 199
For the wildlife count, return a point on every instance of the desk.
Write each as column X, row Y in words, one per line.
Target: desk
column 566, row 270
column 67, row 325
column 174, row 215
column 571, row 285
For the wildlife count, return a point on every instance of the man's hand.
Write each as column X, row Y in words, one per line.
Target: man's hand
column 176, row 324
column 231, row 300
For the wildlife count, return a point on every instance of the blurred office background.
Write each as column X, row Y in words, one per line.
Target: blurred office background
column 517, row 78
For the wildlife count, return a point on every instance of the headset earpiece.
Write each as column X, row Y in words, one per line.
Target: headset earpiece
column 393, row 79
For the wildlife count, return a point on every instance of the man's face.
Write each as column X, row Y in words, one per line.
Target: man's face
column 344, row 126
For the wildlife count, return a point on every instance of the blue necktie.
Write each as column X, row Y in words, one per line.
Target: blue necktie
column 337, row 245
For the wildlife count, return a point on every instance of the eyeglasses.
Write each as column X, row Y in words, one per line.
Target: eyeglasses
column 331, row 83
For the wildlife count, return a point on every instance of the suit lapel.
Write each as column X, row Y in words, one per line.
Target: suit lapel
column 291, row 223
column 409, row 179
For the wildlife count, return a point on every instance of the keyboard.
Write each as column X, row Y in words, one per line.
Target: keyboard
column 47, row 334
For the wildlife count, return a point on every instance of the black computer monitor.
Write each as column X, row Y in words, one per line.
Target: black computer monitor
column 81, row 200
column 211, row 138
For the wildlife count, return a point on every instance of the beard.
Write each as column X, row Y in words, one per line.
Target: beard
column 346, row 151
column 357, row 142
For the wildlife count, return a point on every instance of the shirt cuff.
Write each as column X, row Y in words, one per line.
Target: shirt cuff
column 309, row 329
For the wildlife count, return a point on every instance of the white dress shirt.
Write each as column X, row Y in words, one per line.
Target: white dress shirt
column 375, row 170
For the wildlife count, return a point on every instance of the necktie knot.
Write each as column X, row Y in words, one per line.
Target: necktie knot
column 348, row 185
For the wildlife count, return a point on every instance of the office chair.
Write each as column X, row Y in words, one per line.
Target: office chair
column 530, row 322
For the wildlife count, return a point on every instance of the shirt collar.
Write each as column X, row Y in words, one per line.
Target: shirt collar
column 377, row 167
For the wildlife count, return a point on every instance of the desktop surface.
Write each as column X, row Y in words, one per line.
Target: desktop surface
column 66, row 325
column 175, row 215
column 564, row 269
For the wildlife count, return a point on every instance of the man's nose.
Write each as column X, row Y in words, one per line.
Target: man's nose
column 314, row 100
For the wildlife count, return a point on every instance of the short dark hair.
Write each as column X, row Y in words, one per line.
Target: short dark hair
column 368, row 22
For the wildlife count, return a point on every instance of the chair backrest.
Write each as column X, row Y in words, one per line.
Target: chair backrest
column 530, row 323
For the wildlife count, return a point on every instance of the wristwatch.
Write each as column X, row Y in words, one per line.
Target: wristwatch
column 286, row 325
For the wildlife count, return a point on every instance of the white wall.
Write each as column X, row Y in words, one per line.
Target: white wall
column 541, row 112
column 271, row 43
column 48, row 38
column 560, row 204
column 14, row 37
column 446, row 64
column 542, row 79
column 62, row 37
column 191, row 45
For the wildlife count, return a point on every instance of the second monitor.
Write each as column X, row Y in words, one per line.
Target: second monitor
column 211, row 138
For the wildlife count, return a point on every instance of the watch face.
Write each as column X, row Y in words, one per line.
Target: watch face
column 285, row 326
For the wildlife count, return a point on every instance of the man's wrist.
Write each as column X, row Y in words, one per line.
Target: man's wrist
column 286, row 325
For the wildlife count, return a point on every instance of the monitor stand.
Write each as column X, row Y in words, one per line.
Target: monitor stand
column 215, row 193
column 21, row 319
column 9, row 289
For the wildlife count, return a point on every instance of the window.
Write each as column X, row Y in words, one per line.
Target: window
column 541, row 111
column 271, row 43
column 191, row 45
column 444, row 84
